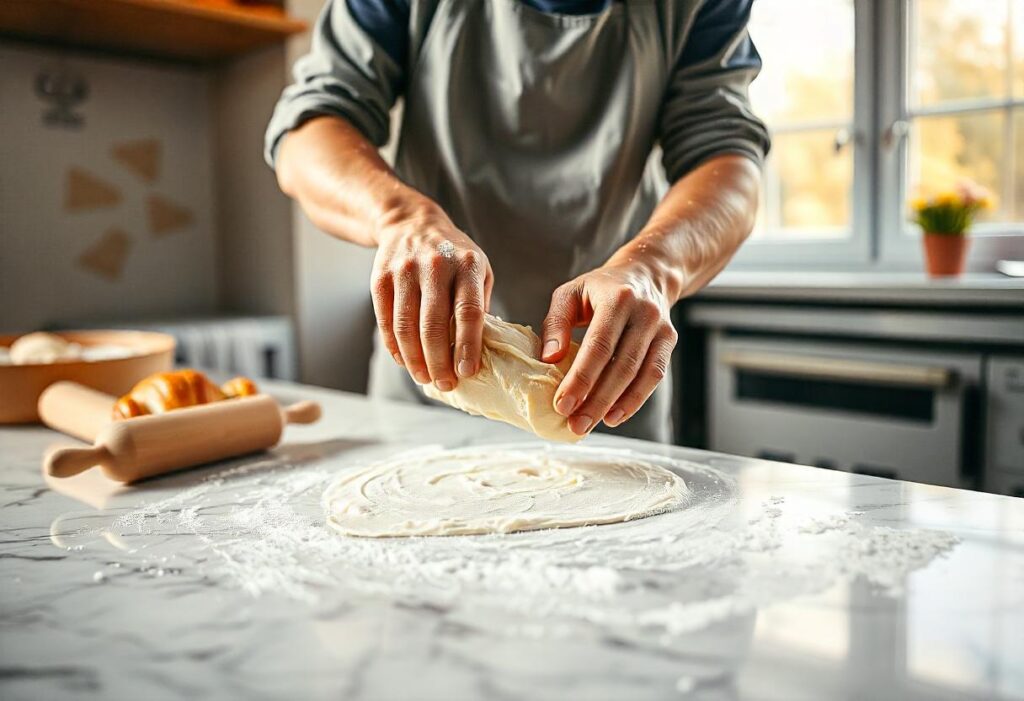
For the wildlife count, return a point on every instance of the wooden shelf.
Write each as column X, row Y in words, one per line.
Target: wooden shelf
column 187, row 30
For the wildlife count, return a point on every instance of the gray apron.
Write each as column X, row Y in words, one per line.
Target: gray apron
column 535, row 133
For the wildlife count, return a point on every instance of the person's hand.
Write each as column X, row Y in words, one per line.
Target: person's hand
column 626, row 350
column 426, row 271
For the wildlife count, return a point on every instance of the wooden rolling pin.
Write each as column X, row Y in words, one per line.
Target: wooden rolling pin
column 146, row 446
column 76, row 410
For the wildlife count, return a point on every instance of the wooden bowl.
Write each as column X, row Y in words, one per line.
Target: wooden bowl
column 21, row 385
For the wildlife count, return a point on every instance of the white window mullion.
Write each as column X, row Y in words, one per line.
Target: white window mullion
column 811, row 245
column 894, row 29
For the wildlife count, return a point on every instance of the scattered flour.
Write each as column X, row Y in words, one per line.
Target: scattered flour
column 261, row 529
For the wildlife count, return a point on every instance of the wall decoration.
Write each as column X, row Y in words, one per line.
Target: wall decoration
column 106, row 258
column 83, row 190
column 64, row 90
column 141, row 157
column 166, row 217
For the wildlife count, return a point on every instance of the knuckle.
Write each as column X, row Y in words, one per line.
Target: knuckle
column 584, row 377
column 624, row 295
column 633, row 400
column 601, row 347
column 435, row 261
column 405, row 266
column 629, row 361
column 471, row 260
column 405, row 328
column 468, row 312
column 647, row 309
column 435, row 329
column 659, row 368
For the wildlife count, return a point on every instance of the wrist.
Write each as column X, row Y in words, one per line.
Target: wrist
column 405, row 205
column 647, row 254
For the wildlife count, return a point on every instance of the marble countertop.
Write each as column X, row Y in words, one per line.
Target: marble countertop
column 887, row 288
column 776, row 582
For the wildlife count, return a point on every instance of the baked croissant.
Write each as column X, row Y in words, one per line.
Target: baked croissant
column 166, row 391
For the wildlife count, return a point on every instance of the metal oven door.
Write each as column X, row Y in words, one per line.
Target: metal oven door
column 894, row 412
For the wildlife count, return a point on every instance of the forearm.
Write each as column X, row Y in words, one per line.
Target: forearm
column 343, row 184
column 697, row 227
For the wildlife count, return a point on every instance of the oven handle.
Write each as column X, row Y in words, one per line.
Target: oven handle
column 839, row 369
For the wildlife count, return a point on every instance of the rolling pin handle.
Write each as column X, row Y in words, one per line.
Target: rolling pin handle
column 306, row 412
column 69, row 461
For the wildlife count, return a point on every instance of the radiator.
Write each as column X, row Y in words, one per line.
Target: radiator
column 254, row 346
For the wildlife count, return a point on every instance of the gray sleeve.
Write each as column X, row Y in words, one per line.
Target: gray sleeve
column 346, row 74
column 706, row 111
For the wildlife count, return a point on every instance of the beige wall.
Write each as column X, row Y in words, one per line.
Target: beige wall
column 250, row 249
column 333, row 310
column 41, row 281
column 254, row 219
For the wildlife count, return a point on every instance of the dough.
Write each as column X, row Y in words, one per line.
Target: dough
column 499, row 490
column 513, row 385
column 42, row 347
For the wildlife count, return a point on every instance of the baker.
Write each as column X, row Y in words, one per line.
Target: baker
column 560, row 163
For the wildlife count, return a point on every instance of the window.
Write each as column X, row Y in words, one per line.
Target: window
column 868, row 102
column 805, row 94
column 965, row 96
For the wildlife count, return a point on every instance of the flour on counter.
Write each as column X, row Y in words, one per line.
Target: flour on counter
column 261, row 529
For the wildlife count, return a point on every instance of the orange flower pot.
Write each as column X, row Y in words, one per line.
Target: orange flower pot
column 945, row 254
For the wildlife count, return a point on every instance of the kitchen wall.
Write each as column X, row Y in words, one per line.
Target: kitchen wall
column 254, row 220
column 332, row 301
column 113, row 217
column 235, row 245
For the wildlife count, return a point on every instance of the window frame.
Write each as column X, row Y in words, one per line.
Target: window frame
column 855, row 250
column 880, row 238
column 899, row 244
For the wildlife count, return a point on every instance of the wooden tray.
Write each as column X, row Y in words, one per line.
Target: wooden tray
column 21, row 385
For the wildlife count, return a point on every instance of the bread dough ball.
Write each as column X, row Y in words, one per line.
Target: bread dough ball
column 513, row 385
column 42, row 347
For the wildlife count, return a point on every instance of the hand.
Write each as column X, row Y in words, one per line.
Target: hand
column 626, row 350
column 426, row 271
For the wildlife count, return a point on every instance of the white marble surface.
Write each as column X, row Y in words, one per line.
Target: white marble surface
column 777, row 582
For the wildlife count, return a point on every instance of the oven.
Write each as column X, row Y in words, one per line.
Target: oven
column 892, row 411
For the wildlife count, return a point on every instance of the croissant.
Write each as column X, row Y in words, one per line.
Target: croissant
column 166, row 391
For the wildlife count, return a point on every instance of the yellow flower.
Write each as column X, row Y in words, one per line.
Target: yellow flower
column 987, row 202
column 919, row 203
column 948, row 199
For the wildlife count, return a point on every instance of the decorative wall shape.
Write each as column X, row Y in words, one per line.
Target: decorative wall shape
column 83, row 191
column 141, row 157
column 107, row 256
column 165, row 216
column 47, row 263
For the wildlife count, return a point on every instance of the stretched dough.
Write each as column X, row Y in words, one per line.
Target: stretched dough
column 494, row 489
column 513, row 385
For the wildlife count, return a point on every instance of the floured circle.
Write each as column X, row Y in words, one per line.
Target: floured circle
column 477, row 491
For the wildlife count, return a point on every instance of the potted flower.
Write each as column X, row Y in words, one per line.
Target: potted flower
column 945, row 220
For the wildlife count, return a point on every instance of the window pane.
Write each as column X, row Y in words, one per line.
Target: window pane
column 1018, row 42
column 1018, row 187
column 957, row 50
column 947, row 150
column 808, row 187
column 807, row 50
